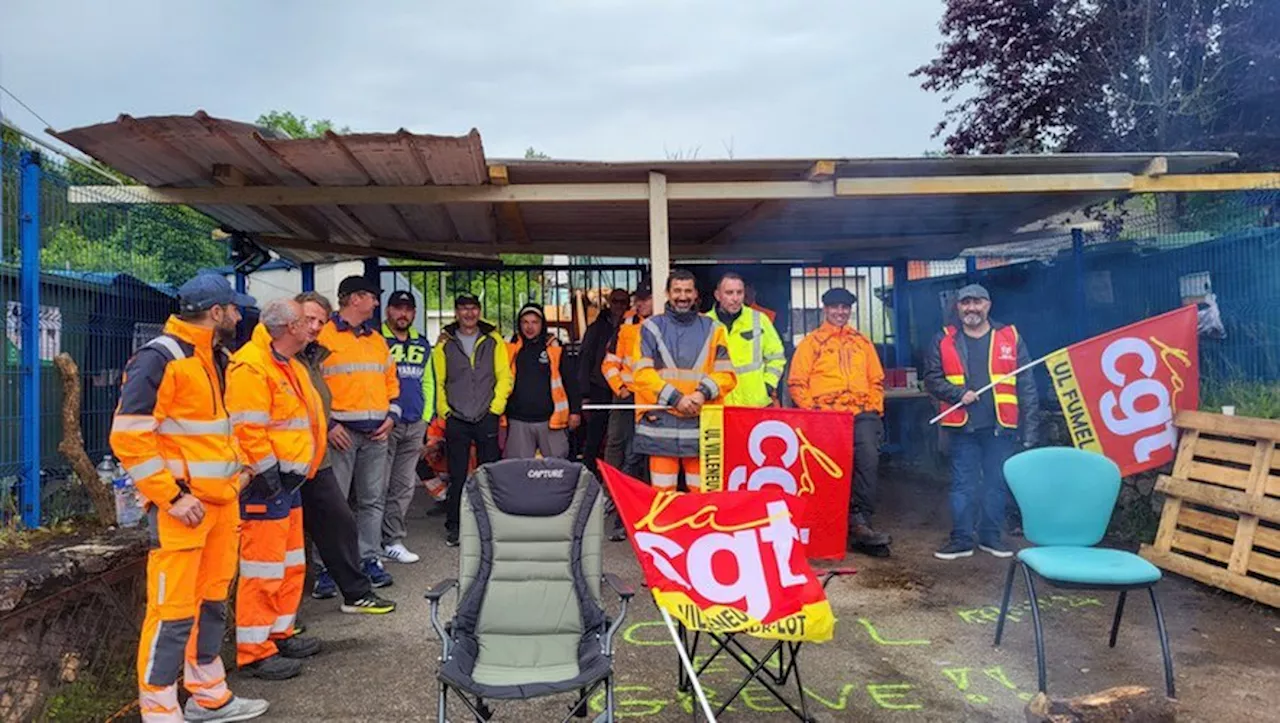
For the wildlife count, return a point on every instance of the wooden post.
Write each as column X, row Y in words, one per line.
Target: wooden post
column 72, row 444
column 659, row 240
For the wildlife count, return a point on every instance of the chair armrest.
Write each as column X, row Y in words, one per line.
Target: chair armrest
column 835, row 572
column 620, row 588
column 444, row 586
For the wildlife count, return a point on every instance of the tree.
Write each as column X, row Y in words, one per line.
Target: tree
column 1121, row 75
column 298, row 126
column 532, row 154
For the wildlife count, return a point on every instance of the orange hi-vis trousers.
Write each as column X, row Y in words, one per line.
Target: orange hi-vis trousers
column 664, row 472
column 189, row 572
column 273, row 567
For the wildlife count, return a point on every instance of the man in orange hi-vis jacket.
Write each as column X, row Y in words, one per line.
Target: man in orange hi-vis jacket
column 684, row 364
column 172, row 433
column 836, row 367
column 278, row 417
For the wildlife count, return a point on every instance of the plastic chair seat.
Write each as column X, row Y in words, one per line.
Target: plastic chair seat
column 1089, row 565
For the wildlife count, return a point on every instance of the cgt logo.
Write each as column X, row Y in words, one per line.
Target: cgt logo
column 545, row 474
column 1143, row 406
column 795, row 448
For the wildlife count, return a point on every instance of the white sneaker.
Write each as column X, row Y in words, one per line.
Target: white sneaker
column 399, row 553
column 236, row 709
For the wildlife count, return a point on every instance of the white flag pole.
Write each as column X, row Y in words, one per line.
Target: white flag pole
column 1001, row 380
column 688, row 665
column 628, row 407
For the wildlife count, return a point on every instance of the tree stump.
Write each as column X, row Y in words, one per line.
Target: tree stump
column 1130, row 704
column 72, row 444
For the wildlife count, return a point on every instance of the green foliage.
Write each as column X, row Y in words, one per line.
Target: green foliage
column 533, row 154
column 1251, row 398
column 501, row 293
column 298, row 126
column 87, row 698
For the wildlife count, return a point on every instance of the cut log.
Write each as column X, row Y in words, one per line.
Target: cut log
column 1130, row 704
column 72, row 444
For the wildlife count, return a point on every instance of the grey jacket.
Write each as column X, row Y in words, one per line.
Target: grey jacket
column 935, row 382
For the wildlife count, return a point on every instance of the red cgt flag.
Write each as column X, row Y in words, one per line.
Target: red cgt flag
column 724, row 562
column 1120, row 391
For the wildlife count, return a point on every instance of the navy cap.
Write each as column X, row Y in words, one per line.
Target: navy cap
column 206, row 291
column 402, row 298
column 973, row 291
column 839, row 297
column 353, row 284
column 466, row 300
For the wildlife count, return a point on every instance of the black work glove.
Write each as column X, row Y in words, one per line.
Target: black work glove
column 266, row 485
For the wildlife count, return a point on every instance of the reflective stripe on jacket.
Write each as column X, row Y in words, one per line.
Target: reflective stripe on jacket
column 277, row 414
column 171, row 430
column 412, row 357
column 758, row 357
column 679, row 354
column 361, row 377
column 471, row 387
column 620, row 358
column 1004, row 339
column 837, row 369
column 559, row 397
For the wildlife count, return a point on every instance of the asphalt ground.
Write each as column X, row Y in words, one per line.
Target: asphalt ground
column 913, row 643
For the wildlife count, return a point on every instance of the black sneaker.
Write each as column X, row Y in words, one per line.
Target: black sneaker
column 451, row 539
column 370, row 604
column 995, row 549
column 954, row 551
column 277, row 667
column 297, row 646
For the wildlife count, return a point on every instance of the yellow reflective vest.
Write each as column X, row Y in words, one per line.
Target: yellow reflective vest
column 757, row 355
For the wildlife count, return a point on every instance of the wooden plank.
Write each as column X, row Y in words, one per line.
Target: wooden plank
column 498, row 175
column 1273, row 485
column 1185, row 183
column 1173, row 505
column 1186, row 452
column 1264, row 565
column 1222, row 425
column 822, row 170
column 1258, row 471
column 1217, row 474
column 1268, row 538
column 1202, row 546
column 978, row 185
column 1229, row 500
column 1208, row 522
column 1223, row 450
column 659, row 239
column 1251, row 588
column 1157, row 166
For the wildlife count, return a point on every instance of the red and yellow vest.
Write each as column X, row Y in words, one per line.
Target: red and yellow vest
column 1000, row 365
column 559, row 397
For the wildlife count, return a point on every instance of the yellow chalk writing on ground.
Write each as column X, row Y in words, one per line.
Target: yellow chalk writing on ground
column 631, row 632
column 887, row 695
column 756, row 698
column 1019, row 611
column 960, row 676
column 628, row 707
column 875, row 635
column 839, row 703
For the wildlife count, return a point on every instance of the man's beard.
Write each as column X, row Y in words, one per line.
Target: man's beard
column 224, row 336
column 973, row 319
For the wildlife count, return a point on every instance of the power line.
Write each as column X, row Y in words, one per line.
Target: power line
column 30, row 110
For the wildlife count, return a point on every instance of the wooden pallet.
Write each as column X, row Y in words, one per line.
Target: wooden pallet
column 1221, row 519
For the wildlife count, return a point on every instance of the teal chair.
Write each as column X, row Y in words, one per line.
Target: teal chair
column 1066, row 496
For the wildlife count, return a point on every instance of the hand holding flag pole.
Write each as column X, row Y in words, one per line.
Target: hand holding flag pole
column 987, row 388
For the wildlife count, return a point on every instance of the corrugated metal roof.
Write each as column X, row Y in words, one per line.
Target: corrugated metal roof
column 181, row 152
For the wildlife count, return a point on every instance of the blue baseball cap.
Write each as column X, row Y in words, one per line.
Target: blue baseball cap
column 208, row 290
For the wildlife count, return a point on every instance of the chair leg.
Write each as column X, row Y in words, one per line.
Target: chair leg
column 1035, row 621
column 1115, row 624
column 608, row 699
column 804, row 704
column 1004, row 602
column 1164, row 644
column 442, row 704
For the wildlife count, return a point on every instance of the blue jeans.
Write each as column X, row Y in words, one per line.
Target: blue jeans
column 978, row 488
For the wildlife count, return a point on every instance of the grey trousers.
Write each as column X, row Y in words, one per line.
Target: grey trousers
column 403, row 449
column 361, row 472
column 622, row 427
column 526, row 438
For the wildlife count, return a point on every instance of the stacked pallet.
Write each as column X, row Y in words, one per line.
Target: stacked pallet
column 1221, row 519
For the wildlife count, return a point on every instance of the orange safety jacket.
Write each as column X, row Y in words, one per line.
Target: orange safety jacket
column 559, row 397
column 278, row 417
column 1005, row 393
column 171, row 430
column 622, row 354
column 360, row 374
column 837, row 368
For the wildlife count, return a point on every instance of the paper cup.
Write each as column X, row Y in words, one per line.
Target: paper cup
column 1229, row 410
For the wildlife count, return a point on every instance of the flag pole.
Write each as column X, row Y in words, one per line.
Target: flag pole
column 688, row 665
column 1001, row 380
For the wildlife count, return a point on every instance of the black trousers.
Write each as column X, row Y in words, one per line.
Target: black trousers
column 597, row 428
column 328, row 521
column 459, row 435
column 868, row 436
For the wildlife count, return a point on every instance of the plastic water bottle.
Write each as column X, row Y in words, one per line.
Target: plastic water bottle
column 107, row 471
column 128, row 502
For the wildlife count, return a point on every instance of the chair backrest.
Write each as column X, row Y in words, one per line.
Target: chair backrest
column 530, row 559
column 1066, row 494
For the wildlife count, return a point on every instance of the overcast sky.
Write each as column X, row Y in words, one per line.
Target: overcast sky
column 591, row 79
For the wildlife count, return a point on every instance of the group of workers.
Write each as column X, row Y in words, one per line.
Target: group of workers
column 318, row 422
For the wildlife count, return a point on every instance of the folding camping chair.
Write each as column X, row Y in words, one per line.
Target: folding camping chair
column 529, row 621
column 757, row 667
